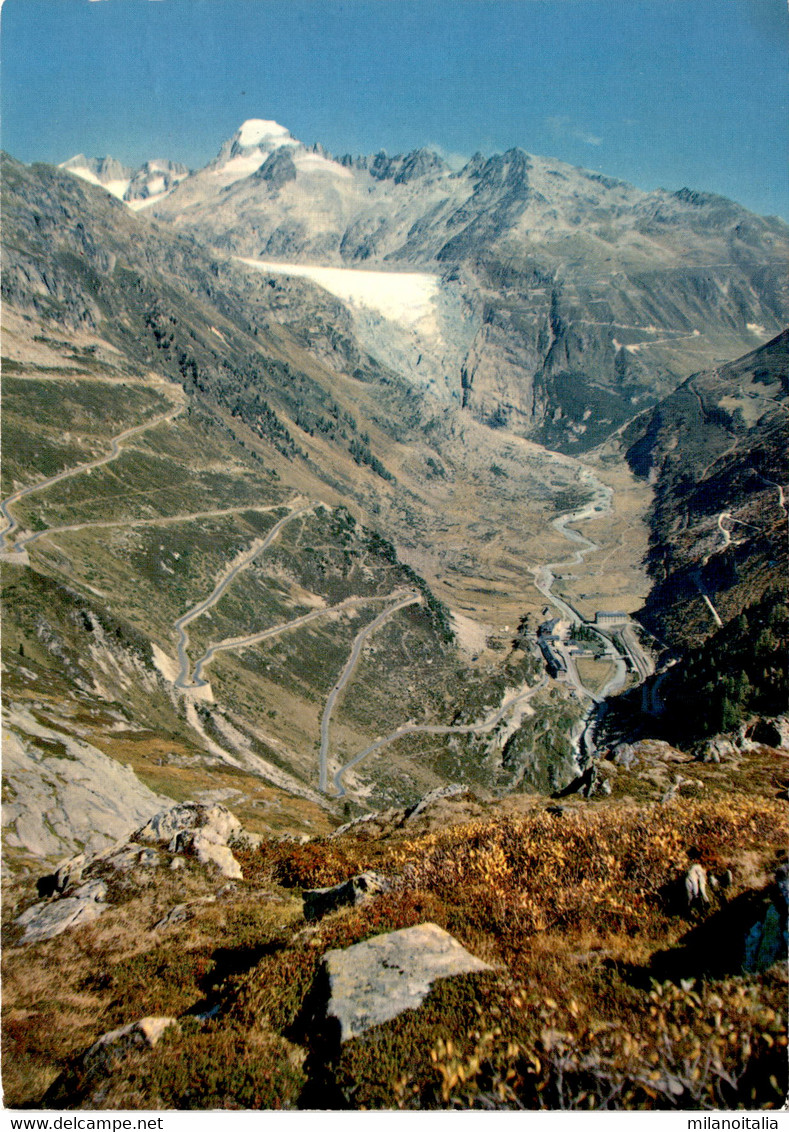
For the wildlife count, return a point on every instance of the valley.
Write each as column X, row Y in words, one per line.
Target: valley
column 333, row 553
column 188, row 677
column 422, row 519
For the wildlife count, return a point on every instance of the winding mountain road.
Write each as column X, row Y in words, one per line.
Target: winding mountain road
column 241, row 563
column 186, row 679
column 488, row 724
column 407, row 597
column 234, row 644
column 583, row 736
column 116, row 443
column 544, row 576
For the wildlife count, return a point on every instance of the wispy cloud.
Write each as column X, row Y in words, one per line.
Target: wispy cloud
column 564, row 127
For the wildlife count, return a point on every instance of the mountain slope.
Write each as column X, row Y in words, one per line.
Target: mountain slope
column 716, row 451
column 237, row 508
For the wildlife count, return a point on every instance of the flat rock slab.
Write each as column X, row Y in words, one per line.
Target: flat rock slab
column 374, row 981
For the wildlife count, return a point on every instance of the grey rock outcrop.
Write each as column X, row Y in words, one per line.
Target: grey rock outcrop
column 374, row 981
column 61, row 794
column 433, row 796
column 205, row 832
column 624, row 755
column 374, row 822
column 213, row 820
column 720, row 748
column 358, row 890
column 49, row 918
column 210, row 852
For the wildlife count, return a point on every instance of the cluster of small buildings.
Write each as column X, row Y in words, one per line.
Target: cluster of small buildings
column 549, row 635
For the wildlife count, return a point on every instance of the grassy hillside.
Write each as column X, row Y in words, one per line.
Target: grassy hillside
column 607, row 991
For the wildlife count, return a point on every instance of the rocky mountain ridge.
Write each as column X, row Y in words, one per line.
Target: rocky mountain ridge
column 136, row 187
column 577, row 288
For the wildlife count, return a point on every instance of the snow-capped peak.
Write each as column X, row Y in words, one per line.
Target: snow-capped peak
column 249, row 147
column 263, row 132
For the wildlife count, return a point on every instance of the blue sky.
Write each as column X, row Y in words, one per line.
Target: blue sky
column 658, row 92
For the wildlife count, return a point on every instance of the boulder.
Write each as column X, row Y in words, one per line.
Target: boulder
column 49, row 918
column 210, row 852
column 624, row 755
column 66, row 874
column 133, row 856
column 205, row 830
column 319, row 901
column 767, row 941
column 181, row 912
column 83, row 1080
column 144, row 1034
column 696, row 887
column 215, row 822
column 374, row 981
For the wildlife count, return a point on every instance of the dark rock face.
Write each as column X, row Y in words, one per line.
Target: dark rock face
column 278, row 169
column 407, row 167
column 771, row 732
column 717, row 452
column 154, row 178
column 767, row 940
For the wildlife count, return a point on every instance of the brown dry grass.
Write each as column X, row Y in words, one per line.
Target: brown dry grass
column 597, row 967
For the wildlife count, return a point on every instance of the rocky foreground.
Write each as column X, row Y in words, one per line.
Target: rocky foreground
column 625, row 950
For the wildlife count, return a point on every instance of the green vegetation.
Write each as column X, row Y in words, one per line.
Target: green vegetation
column 740, row 671
column 362, row 455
